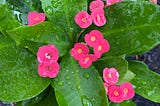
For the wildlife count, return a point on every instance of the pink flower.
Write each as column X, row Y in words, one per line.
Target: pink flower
column 48, row 69
column 110, row 76
column 93, row 38
column 47, row 53
column 35, row 18
column 111, row 2
column 128, row 90
column 115, row 94
column 101, row 48
column 98, row 17
column 83, row 19
column 97, row 4
column 79, row 50
column 86, row 60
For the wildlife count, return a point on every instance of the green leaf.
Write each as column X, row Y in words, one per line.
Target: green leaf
column 124, row 103
column 129, row 26
column 62, row 13
column 5, row 41
column 7, row 20
column 75, row 86
column 18, row 75
column 46, row 98
column 45, row 32
column 146, row 82
column 117, row 62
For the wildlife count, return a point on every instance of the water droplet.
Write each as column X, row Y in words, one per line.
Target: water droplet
column 77, row 71
column 86, row 101
column 72, row 72
column 78, row 87
column 55, row 3
column 144, row 83
column 67, row 77
column 69, row 83
column 49, row 10
column 86, row 75
column 67, row 70
column 32, row 39
column 60, row 83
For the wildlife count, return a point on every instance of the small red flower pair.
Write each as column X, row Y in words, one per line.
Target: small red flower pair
column 48, row 56
column 84, row 20
column 116, row 93
column 95, row 39
column 80, row 52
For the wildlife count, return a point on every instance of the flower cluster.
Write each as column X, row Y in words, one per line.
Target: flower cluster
column 116, row 93
column 84, row 20
column 48, row 56
column 94, row 39
column 35, row 18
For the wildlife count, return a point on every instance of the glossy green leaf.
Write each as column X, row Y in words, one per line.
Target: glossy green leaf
column 18, row 75
column 146, row 82
column 5, row 41
column 45, row 32
column 119, row 63
column 46, row 98
column 7, row 20
column 124, row 103
column 62, row 13
column 75, row 86
column 132, row 27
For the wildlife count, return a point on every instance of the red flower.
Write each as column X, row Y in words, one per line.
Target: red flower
column 48, row 69
column 79, row 50
column 115, row 94
column 35, row 18
column 83, row 19
column 47, row 53
column 110, row 76
column 98, row 17
column 86, row 60
column 101, row 48
column 93, row 38
column 97, row 4
column 128, row 90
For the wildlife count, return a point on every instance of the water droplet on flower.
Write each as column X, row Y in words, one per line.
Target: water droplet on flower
column 60, row 83
column 86, row 75
column 49, row 10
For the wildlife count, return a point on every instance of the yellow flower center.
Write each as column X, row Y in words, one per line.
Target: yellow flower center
column 79, row 50
column 84, row 19
column 93, row 38
column 109, row 75
column 99, row 48
column 87, row 58
column 115, row 93
column 125, row 90
column 36, row 18
column 48, row 67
